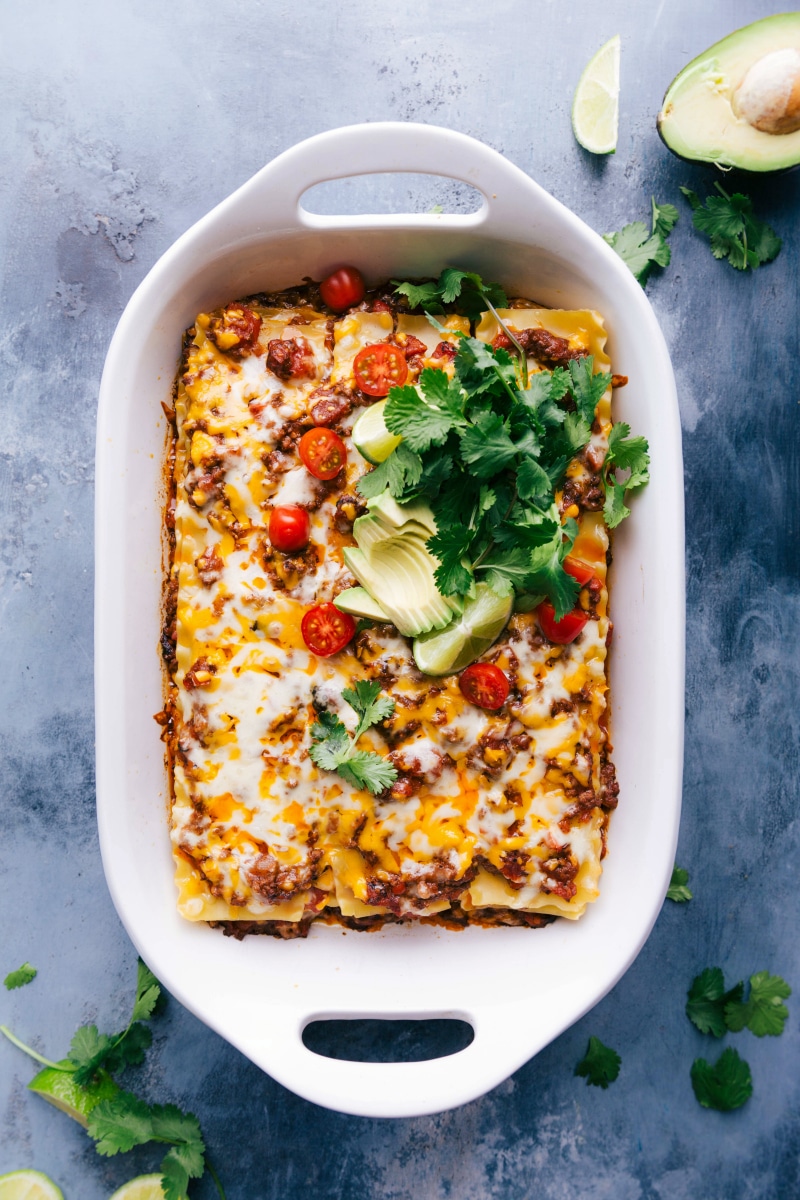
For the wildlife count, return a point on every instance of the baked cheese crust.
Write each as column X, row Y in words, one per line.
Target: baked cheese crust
column 495, row 816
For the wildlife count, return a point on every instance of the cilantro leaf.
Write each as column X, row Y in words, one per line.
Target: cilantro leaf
column 625, row 454
column 420, row 425
column 724, row 1086
column 128, row 1050
column 642, row 249
column 171, row 1124
column 174, row 1176
column 486, row 445
column 678, row 890
column 532, row 480
column 450, row 546
column 400, row 471
column 600, row 1065
column 119, row 1124
column 762, row 1013
column 420, row 295
column 665, row 217
column 148, row 993
column 19, row 978
column 333, row 749
column 735, row 232
column 707, row 1000
column 88, row 1051
column 367, row 703
column 587, row 387
column 368, row 771
column 614, row 508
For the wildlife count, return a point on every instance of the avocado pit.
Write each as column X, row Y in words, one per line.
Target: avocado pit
column 768, row 97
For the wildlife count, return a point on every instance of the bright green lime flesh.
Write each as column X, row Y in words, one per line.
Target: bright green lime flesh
column 595, row 107
column 28, row 1185
column 60, row 1089
column 371, row 438
column 699, row 119
column 143, row 1187
column 445, row 651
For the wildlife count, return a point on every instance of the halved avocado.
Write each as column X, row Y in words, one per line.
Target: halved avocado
column 738, row 104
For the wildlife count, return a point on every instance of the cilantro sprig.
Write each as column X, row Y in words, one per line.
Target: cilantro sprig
column 334, row 749
column 735, row 231
column 123, row 1121
column 19, row 978
column 600, row 1065
column 678, row 889
column 714, row 1010
column 642, row 249
column 724, row 1086
column 630, row 456
column 488, row 453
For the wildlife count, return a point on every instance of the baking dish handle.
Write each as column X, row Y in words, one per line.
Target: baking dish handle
column 383, row 147
column 390, row 1089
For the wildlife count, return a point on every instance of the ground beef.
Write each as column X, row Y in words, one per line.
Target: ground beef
column 210, row 566
column 560, row 870
column 328, row 406
column 236, row 331
column 348, row 509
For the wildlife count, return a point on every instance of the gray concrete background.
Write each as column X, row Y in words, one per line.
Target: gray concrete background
column 121, row 124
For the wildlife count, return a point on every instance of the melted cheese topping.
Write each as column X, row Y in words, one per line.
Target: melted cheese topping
column 497, row 815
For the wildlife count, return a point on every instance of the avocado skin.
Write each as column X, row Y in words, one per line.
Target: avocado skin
column 749, row 150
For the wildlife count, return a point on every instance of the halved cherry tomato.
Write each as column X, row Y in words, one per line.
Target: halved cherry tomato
column 578, row 569
column 322, row 452
column 289, row 528
column 564, row 631
column 325, row 630
column 484, row 684
column 342, row 289
column 379, row 368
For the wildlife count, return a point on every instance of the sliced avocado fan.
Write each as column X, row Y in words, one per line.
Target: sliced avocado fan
column 738, row 103
column 393, row 565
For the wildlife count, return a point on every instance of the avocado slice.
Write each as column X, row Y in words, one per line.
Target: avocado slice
column 398, row 572
column 738, row 104
column 396, row 516
column 358, row 602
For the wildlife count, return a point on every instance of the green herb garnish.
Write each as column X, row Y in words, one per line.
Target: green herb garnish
column 17, row 979
column 678, row 889
column 600, row 1064
column 735, row 231
column 725, row 1085
column 123, row 1121
column 641, row 248
column 707, row 1001
column 625, row 454
column 334, row 749
column 763, row 1012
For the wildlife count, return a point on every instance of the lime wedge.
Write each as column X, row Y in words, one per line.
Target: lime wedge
column 444, row 651
column 371, row 438
column 59, row 1088
column 28, row 1185
column 595, row 108
column 143, row 1187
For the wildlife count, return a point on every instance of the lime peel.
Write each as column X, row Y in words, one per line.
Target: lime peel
column 143, row 1187
column 28, row 1185
column 595, row 107
column 445, row 651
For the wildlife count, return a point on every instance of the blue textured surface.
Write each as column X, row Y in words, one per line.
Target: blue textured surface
column 123, row 123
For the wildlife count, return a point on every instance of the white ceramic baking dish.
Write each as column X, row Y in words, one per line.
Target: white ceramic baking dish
column 518, row 988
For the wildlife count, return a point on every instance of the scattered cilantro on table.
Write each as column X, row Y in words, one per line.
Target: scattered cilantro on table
column 19, row 978
column 642, row 249
column 725, row 1085
column 678, row 889
column 334, row 749
column 763, row 1013
column 735, row 231
column 707, row 1000
column 123, row 1121
column 600, row 1064
column 489, row 449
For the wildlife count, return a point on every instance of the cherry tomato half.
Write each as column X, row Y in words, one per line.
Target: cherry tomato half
column 289, row 528
column 564, row 631
column 322, row 452
column 484, row 684
column 379, row 368
column 578, row 570
column 342, row 289
column 325, row 630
